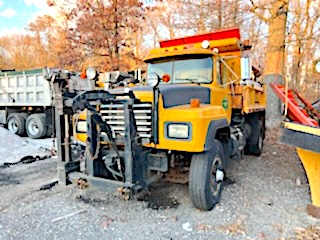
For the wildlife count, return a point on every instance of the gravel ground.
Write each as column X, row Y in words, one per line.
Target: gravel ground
column 264, row 198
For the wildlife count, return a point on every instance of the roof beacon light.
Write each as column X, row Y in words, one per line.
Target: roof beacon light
column 205, row 44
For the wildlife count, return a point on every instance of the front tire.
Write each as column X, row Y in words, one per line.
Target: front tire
column 206, row 177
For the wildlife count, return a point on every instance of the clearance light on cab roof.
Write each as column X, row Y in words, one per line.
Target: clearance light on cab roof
column 205, row 44
column 216, row 50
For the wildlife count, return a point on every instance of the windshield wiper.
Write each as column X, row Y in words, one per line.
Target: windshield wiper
column 192, row 80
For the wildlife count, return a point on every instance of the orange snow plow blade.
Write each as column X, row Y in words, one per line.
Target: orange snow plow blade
column 304, row 134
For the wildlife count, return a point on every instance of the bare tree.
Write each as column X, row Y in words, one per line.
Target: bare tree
column 18, row 51
column 104, row 31
column 302, row 44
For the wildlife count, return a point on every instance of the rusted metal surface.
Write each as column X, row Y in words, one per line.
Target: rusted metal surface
column 82, row 183
column 125, row 193
column 310, row 109
column 314, row 211
column 178, row 175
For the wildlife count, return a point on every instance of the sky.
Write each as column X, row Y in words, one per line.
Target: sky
column 16, row 14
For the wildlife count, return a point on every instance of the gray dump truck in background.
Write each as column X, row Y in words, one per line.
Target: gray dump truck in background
column 26, row 104
column 26, row 101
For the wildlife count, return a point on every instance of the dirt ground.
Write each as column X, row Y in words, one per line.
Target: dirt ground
column 264, row 198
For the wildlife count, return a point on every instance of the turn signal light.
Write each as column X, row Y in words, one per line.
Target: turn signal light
column 83, row 75
column 195, row 102
column 166, row 78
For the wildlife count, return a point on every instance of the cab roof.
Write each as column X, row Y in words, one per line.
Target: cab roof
column 223, row 40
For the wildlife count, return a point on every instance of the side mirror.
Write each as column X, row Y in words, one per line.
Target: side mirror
column 245, row 68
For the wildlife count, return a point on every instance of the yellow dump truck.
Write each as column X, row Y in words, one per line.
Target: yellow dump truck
column 204, row 105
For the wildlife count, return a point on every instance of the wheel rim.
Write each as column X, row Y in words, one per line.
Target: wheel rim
column 12, row 126
column 215, row 183
column 33, row 128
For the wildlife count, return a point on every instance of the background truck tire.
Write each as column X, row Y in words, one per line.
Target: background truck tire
column 16, row 123
column 36, row 125
column 204, row 189
column 255, row 142
column 49, row 132
column 50, row 121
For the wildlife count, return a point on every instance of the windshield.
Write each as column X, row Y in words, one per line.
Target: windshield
column 194, row 70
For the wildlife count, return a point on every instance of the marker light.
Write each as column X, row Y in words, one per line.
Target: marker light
column 166, row 78
column 194, row 102
column 205, row 44
column 83, row 75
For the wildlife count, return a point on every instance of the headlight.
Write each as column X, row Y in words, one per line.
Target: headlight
column 178, row 130
column 153, row 79
column 82, row 126
column 91, row 73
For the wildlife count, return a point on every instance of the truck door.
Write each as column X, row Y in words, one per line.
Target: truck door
column 221, row 91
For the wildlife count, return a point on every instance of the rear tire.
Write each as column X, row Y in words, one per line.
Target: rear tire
column 204, row 187
column 36, row 125
column 16, row 123
column 255, row 142
column 49, row 132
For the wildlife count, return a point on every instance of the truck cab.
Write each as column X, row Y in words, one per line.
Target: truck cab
column 217, row 71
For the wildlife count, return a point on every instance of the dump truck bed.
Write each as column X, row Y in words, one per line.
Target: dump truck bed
column 24, row 88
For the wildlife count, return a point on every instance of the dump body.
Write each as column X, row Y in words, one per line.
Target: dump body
column 24, row 89
column 26, row 104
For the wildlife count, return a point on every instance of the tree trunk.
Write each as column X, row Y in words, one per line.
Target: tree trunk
column 275, row 59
